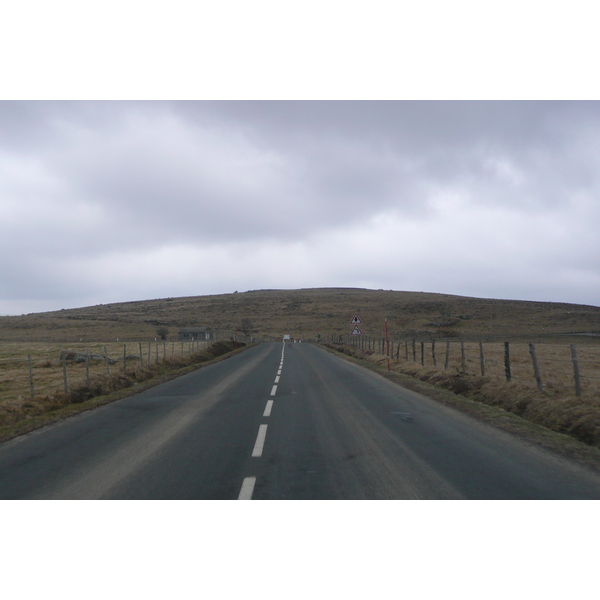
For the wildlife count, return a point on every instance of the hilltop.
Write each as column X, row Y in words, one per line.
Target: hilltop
column 309, row 312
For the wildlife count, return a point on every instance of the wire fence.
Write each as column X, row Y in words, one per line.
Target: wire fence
column 553, row 368
column 49, row 367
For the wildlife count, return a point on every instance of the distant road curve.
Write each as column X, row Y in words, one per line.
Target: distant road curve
column 283, row 421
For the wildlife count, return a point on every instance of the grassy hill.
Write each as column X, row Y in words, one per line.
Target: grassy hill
column 309, row 312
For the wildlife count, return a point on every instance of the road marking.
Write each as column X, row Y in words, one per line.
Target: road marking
column 109, row 469
column 247, row 488
column 279, row 372
column 260, row 441
column 268, row 408
column 277, row 379
column 274, row 390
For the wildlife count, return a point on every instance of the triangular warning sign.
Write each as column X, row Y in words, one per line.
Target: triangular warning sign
column 355, row 319
column 356, row 331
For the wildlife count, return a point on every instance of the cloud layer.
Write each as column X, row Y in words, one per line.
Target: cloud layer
column 116, row 201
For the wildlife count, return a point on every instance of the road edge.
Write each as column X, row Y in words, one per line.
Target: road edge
column 10, row 432
column 559, row 443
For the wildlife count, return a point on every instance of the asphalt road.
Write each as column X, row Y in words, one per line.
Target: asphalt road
column 283, row 421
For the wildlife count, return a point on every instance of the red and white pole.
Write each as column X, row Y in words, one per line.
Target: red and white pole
column 387, row 346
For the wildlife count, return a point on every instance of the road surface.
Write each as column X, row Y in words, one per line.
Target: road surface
column 283, row 421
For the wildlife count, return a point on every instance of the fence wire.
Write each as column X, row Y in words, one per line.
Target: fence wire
column 552, row 368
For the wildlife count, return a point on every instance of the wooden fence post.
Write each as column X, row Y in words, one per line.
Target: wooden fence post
column 507, row 361
column 447, row 360
column 124, row 359
column 576, row 370
column 423, row 353
column 464, row 358
column 30, row 376
column 107, row 365
column 536, row 368
column 433, row 353
column 414, row 349
column 481, row 358
column 141, row 357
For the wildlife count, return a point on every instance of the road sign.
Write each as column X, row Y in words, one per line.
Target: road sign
column 356, row 331
column 355, row 319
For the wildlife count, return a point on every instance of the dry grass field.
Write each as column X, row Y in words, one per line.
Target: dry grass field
column 308, row 313
column 48, row 373
column 554, row 360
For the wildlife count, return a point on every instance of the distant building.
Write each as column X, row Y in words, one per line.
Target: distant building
column 195, row 333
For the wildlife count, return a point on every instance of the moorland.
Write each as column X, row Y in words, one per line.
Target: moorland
column 310, row 313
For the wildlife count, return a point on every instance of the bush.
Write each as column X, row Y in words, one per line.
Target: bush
column 99, row 385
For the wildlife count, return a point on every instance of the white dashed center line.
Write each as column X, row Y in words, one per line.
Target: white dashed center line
column 247, row 488
column 268, row 408
column 260, row 441
column 249, row 482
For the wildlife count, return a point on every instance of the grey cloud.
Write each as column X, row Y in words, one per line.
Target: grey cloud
column 170, row 178
column 94, row 179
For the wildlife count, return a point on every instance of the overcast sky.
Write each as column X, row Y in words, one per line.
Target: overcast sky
column 109, row 201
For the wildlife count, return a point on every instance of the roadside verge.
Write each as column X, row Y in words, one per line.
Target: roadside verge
column 555, row 426
column 24, row 415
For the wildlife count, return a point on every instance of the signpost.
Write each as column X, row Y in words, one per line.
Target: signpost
column 356, row 331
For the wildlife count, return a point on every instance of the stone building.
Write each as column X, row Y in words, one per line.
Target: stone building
column 195, row 333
